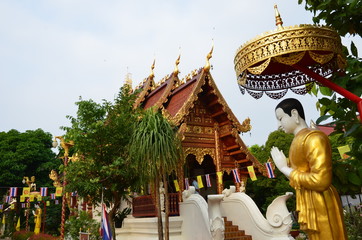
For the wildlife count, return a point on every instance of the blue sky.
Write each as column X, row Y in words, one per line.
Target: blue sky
column 53, row 52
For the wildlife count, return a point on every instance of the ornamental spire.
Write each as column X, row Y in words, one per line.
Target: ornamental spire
column 209, row 55
column 128, row 79
column 278, row 18
column 152, row 74
column 176, row 71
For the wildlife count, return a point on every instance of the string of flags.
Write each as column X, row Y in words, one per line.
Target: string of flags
column 219, row 175
column 26, row 197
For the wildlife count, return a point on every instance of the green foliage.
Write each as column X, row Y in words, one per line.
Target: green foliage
column 101, row 132
column 82, row 222
column 26, row 235
column 265, row 190
column 155, row 148
column 344, row 15
column 353, row 220
column 25, row 154
column 53, row 219
column 347, row 173
column 42, row 236
column 22, row 235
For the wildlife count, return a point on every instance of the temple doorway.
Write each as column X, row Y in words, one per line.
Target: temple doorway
column 193, row 169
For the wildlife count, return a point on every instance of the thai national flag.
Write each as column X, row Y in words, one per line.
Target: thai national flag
column 187, row 184
column 236, row 175
column 52, row 196
column 23, row 205
column 1, row 207
column 13, row 191
column 8, row 199
column 44, row 191
column 106, row 228
column 208, row 182
column 269, row 170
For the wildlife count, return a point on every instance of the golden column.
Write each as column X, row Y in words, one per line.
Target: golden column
column 65, row 146
column 218, row 157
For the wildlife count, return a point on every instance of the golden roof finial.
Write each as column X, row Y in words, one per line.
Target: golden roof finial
column 209, row 55
column 128, row 79
column 152, row 74
column 176, row 71
column 278, row 18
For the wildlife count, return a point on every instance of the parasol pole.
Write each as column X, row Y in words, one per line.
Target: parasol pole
column 333, row 86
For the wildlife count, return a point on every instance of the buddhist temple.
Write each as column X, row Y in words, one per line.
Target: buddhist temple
column 208, row 128
column 214, row 150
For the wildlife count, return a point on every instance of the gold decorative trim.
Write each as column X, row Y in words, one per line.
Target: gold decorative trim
column 260, row 68
column 321, row 58
column 146, row 86
column 292, row 59
column 284, row 41
column 200, row 153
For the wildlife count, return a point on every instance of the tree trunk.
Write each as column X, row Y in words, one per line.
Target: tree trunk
column 112, row 213
column 158, row 208
column 167, row 207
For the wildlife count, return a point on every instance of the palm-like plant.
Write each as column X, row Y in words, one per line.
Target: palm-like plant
column 155, row 150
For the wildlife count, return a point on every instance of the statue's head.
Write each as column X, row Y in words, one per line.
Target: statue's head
column 287, row 105
column 290, row 115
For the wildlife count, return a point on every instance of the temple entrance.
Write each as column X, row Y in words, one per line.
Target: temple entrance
column 193, row 169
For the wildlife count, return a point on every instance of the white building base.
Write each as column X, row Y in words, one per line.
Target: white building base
column 146, row 228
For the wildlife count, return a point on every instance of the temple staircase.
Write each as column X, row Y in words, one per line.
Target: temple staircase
column 232, row 232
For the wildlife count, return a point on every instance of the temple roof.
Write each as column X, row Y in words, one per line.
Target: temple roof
column 176, row 98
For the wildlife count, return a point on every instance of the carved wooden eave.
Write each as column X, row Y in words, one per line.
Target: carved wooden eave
column 146, row 87
column 245, row 126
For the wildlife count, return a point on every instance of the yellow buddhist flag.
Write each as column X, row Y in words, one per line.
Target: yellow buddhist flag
column 48, row 203
column 12, row 206
column 26, row 191
column 22, row 198
column 219, row 177
column 199, row 181
column 343, row 150
column 3, row 222
column 58, row 191
column 31, row 198
column 39, row 198
column 252, row 173
column 176, row 185
column 17, row 228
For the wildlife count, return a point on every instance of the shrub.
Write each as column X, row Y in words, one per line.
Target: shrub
column 353, row 220
column 42, row 236
column 22, row 235
column 82, row 221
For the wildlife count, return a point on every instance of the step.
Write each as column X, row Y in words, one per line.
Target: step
column 232, row 232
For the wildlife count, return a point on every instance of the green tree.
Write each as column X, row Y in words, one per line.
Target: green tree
column 25, row 154
column 345, row 17
column 156, row 149
column 101, row 133
column 265, row 190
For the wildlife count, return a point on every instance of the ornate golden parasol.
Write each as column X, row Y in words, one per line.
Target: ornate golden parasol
column 290, row 58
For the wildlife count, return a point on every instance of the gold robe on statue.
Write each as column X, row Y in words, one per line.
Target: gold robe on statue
column 37, row 220
column 318, row 203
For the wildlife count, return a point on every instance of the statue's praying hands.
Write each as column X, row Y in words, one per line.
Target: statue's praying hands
column 280, row 161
